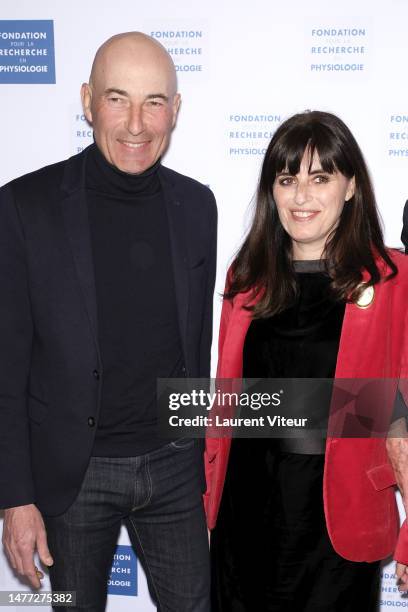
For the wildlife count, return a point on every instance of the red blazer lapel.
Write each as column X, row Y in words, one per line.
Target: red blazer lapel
column 235, row 321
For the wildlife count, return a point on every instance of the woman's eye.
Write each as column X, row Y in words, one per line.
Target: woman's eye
column 321, row 178
column 286, row 180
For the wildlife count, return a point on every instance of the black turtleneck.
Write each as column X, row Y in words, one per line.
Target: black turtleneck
column 302, row 341
column 137, row 314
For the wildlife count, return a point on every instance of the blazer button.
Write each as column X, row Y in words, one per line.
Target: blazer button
column 96, row 374
column 91, row 421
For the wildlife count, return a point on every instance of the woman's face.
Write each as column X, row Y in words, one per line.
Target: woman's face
column 310, row 205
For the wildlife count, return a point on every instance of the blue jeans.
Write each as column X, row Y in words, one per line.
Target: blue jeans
column 159, row 497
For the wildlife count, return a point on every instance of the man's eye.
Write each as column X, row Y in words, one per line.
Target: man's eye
column 115, row 100
column 155, row 102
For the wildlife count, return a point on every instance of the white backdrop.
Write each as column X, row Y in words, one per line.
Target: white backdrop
column 243, row 67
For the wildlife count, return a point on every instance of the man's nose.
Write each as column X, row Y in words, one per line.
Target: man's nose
column 135, row 120
column 302, row 195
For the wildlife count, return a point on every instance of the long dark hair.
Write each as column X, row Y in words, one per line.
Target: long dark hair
column 263, row 263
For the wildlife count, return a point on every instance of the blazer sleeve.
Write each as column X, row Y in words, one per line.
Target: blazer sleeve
column 226, row 311
column 401, row 550
column 16, row 333
column 207, row 325
column 212, row 444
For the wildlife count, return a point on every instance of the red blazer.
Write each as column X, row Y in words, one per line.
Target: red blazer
column 359, row 497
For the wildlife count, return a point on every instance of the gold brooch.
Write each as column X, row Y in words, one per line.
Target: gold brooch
column 366, row 297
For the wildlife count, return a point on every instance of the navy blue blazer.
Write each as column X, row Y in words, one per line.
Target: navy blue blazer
column 50, row 365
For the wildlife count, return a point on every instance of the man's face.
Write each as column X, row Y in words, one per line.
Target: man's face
column 132, row 107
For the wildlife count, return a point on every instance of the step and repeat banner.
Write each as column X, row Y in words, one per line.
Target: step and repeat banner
column 243, row 67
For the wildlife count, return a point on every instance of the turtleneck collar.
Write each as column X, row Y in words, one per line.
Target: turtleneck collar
column 107, row 180
column 309, row 265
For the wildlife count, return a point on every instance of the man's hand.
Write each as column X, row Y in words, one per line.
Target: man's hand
column 23, row 533
column 397, row 448
column 402, row 577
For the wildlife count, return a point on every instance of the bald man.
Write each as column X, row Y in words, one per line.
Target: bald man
column 107, row 266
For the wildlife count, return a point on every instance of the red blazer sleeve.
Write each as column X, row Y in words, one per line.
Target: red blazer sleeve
column 401, row 550
column 212, row 444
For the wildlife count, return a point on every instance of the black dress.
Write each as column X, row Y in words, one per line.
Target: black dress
column 270, row 550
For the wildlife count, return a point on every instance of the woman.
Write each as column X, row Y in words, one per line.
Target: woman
column 313, row 292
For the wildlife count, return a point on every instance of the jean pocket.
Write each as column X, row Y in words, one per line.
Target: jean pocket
column 182, row 443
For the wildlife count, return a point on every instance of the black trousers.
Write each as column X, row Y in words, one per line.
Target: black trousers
column 270, row 551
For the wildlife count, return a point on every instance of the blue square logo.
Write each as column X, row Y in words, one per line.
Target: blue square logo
column 123, row 574
column 27, row 53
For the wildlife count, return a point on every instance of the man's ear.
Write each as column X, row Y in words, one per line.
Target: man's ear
column 176, row 106
column 86, row 97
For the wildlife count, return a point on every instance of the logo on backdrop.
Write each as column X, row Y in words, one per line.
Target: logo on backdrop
column 336, row 49
column 389, row 594
column 186, row 47
column 250, row 133
column 123, row 574
column 82, row 132
column 27, row 53
column 398, row 136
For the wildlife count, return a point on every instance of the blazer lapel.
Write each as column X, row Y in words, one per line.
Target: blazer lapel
column 175, row 206
column 75, row 215
column 365, row 363
column 364, row 350
column 231, row 360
